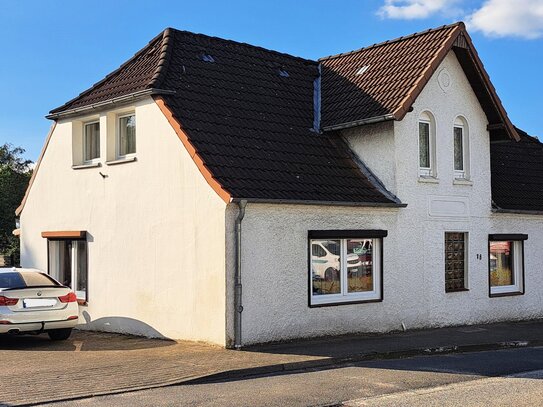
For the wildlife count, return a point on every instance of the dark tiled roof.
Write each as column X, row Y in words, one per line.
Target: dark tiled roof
column 395, row 72
column 248, row 112
column 394, row 68
column 517, row 174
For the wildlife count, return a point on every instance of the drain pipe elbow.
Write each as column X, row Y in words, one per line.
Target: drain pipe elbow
column 238, row 304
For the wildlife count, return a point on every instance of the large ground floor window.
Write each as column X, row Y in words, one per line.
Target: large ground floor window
column 345, row 266
column 506, row 264
column 68, row 264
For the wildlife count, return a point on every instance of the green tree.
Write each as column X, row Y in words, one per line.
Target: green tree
column 14, row 176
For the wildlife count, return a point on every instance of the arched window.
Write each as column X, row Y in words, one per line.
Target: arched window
column 427, row 145
column 461, row 148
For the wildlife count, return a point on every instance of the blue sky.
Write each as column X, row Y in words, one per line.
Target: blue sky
column 53, row 50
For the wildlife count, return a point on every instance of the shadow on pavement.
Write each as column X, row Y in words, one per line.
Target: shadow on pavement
column 431, row 339
column 80, row 341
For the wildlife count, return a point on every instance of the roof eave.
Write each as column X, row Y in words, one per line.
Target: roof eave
column 107, row 104
column 370, row 120
column 517, row 211
column 327, row 203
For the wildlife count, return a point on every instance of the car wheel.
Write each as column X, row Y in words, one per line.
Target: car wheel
column 59, row 334
column 330, row 274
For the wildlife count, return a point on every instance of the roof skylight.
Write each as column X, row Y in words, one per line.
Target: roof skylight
column 283, row 72
column 362, row 70
column 207, row 58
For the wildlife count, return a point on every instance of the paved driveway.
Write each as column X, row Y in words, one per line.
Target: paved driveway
column 35, row 369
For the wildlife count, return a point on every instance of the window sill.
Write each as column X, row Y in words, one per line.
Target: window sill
column 84, row 166
column 462, row 181
column 348, row 302
column 428, row 180
column 460, row 290
column 509, row 294
column 121, row 161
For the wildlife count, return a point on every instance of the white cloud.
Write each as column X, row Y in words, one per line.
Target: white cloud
column 503, row 18
column 413, row 9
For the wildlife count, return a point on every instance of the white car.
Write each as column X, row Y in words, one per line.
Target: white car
column 32, row 302
column 325, row 260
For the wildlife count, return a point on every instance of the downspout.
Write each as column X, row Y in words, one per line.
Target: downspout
column 238, row 306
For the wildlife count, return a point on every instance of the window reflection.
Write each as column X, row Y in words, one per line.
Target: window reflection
column 326, row 266
column 359, row 265
column 501, row 264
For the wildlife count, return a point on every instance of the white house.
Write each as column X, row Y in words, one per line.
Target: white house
column 217, row 191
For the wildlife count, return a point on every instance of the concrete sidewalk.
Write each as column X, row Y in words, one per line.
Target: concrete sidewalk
column 35, row 370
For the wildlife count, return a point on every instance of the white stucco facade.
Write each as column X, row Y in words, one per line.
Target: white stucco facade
column 161, row 242
column 275, row 237
column 155, row 231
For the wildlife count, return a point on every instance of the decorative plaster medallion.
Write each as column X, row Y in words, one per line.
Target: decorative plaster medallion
column 444, row 80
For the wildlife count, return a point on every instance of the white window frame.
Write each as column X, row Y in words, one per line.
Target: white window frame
column 344, row 296
column 97, row 159
column 54, row 264
column 461, row 122
column 518, row 270
column 428, row 172
column 118, row 135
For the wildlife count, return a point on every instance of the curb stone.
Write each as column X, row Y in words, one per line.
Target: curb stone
column 324, row 363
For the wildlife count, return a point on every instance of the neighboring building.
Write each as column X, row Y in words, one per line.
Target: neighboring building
column 388, row 181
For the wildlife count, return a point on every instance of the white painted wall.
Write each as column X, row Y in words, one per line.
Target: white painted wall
column 161, row 241
column 156, row 232
column 275, row 244
column 375, row 145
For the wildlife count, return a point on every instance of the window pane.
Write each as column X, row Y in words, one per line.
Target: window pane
column 359, row 265
column 127, row 134
column 92, row 141
column 11, row 280
column 424, row 145
column 458, row 149
column 33, row 279
column 501, row 264
column 60, row 261
column 81, row 288
column 326, row 266
column 455, row 256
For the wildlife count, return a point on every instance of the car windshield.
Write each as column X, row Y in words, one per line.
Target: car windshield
column 332, row 246
column 16, row 279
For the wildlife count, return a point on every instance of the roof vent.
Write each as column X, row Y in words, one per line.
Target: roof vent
column 362, row 70
column 283, row 73
column 206, row 58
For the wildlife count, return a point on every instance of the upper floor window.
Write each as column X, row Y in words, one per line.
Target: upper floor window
column 126, row 135
column 461, row 149
column 91, row 141
column 427, row 142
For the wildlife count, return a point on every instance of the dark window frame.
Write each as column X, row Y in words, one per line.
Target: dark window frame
column 345, row 234
column 466, row 261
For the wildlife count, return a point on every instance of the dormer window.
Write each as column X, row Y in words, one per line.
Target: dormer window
column 427, row 141
column 91, row 141
column 461, row 149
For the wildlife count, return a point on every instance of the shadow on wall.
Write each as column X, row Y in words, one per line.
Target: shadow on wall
column 121, row 325
column 344, row 99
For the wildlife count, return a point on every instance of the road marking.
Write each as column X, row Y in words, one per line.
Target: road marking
column 467, row 384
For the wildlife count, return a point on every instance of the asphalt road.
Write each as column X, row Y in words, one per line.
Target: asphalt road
column 496, row 378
